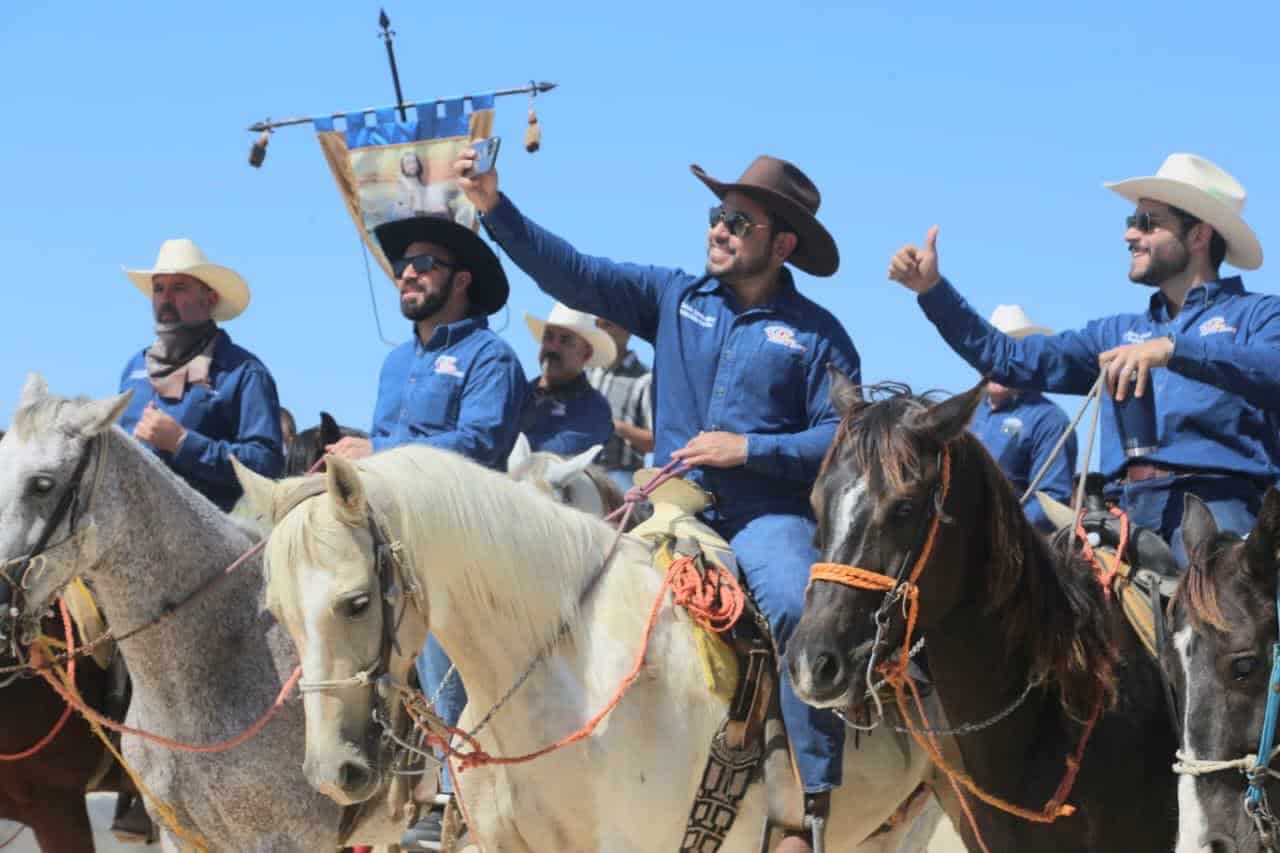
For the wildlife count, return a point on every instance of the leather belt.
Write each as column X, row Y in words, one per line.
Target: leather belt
column 1136, row 472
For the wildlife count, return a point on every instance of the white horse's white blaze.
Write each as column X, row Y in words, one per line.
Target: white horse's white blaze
column 502, row 571
column 1192, row 823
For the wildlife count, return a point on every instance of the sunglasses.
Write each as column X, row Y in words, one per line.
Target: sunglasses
column 1146, row 223
column 736, row 221
column 422, row 264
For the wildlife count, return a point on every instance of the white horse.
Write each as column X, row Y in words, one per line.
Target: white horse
column 574, row 481
column 144, row 541
column 500, row 574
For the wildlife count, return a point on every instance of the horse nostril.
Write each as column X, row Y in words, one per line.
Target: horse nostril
column 826, row 670
column 352, row 776
column 1219, row 844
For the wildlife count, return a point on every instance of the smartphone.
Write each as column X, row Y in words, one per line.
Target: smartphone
column 486, row 154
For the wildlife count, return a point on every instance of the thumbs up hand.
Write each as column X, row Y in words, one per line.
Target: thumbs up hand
column 916, row 268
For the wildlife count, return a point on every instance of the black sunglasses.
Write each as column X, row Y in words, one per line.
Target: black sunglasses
column 422, row 264
column 736, row 221
column 1146, row 223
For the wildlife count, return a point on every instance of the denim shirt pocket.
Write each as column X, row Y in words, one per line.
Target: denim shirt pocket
column 436, row 407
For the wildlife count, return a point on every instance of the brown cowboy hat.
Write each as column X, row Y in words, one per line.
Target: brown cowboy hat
column 790, row 196
column 489, row 288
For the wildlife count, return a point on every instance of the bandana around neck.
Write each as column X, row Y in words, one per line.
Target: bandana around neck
column 180, row 356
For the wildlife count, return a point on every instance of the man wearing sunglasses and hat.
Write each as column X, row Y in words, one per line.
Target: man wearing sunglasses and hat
column 1206, row 348
column 456, row 385
column 740, row 384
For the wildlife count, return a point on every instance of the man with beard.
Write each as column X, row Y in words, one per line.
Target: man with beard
column 1206, row 348
column 740, row 381
column 197, row 399
column 455, row 385
column 563, row 413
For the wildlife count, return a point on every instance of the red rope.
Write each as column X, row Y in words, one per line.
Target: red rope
column 66, row 711
column 715, row 603
column 88, row 713
column 1106, row 575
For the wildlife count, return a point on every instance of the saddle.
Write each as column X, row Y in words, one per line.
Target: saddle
column 739, row 666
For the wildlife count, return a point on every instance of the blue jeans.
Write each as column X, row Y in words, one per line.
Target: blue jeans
column 775, row 553
column 1157, row 504
column 433, row 665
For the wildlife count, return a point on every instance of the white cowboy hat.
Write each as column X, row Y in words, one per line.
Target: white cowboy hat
column 1208, row 193
column 183, row 257
column 1015, row 323
column 603, row 351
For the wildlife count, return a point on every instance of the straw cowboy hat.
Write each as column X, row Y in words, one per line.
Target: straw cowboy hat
column 1015, row 323
column 603, row 351
column 184, row 257
column 789, row 195
column 489, row 288
column 1208, row 193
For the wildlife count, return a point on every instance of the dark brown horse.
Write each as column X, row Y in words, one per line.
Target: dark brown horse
column 305, row 450
column 1223, row 623
column 46, row 791
column 1010, row 625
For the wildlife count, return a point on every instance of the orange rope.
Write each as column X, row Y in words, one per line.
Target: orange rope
column 1106, row 575
column 895, row 673
column 714, row 603
column 66, row 711
column 93, row 716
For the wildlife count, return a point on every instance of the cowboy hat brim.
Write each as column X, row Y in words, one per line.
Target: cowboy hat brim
column 816, row 251
column 1243, row 249
column 489, row 288
column 232, row 289
column 603, row 349
column 1024, row 331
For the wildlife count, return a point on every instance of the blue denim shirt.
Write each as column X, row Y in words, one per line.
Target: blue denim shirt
column 759, row 372
column 237, row 412
column 566, row 420
column 461, row 391
column 1020, row 435
column 1217, row 403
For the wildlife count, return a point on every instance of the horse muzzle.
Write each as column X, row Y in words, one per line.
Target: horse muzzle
column 342, row 774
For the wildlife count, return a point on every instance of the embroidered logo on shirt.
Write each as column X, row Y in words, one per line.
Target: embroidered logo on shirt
column 688, row 312
column 1011, row 426
column 784, row 336
column 140, row 373
column 1214, row 325
column 1132, row 337
column 448, row 365
column 559, row 409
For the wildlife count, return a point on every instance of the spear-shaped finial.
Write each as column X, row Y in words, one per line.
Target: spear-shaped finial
column 387, row 35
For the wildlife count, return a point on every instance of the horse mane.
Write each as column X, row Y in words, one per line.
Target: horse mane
column 1196, row 592
column 1045, row 600
column 610, row 494
column 471, row 533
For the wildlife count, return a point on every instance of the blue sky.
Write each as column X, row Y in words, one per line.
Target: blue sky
column 999, row 123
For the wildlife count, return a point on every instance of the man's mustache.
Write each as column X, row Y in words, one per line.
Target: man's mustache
column 167, row 312
column 553, row 357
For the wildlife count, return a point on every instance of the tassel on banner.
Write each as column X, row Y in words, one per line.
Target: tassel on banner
column 258, row 151
column 532, row 133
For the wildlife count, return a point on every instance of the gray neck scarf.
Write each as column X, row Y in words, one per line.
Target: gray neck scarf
column 180, row 356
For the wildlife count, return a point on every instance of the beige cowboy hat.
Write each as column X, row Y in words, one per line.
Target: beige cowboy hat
column 1014, row 322
column 603, row 351
column 1197, row 186
column 184, row 257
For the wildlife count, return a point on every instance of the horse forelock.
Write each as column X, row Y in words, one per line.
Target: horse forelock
column 44, row 415
column 1197, row 593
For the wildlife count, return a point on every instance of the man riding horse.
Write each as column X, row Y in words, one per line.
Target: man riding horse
column 1205, row 347
column 741, row 384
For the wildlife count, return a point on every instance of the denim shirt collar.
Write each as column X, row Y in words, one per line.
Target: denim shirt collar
column 788, row 301
column 1201, row 294
column 450, row 333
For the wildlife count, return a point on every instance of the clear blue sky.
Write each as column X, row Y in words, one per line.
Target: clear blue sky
column 999, row 123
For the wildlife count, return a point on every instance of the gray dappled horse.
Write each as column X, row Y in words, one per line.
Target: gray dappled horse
column 144, row 541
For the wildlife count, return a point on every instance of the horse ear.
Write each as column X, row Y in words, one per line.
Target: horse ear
column 1264, row 540
column 520, row 452
column 99, row 415
column 951, row 417
column 33, row 391
column 1058, row 513
column 259, row 491
column 845, row 393
column 1199, row 528
column 560, row 473
column 346, row 490
column 329, row 431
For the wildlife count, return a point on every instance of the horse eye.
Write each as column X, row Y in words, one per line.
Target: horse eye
column 903, row 510
column 40, row 485
column 1243, row 667
column 357, row 606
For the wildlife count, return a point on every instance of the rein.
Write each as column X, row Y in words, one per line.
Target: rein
column 895, row 670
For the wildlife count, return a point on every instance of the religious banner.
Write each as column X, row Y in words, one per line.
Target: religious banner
column 387, row 168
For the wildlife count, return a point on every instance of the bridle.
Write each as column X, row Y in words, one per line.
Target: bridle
column 15, row 574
